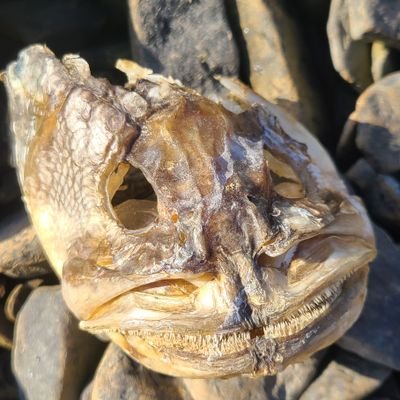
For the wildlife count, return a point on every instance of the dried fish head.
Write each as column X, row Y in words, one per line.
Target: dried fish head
column 206, row 239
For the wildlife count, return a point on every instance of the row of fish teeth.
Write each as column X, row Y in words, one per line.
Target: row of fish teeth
column 238, row 341
column 216, row 344
column 235, row 342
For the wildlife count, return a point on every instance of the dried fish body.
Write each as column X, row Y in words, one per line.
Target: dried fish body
column 243, row 253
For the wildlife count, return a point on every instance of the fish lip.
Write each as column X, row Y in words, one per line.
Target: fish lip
column 256, row 359
column 127, row 328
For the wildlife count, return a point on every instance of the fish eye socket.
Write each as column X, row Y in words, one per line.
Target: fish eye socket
column 132, row 197
column 285, row 180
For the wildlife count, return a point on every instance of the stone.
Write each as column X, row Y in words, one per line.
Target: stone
column 119, row 377
column 21, row 254
column 378, row 124
column 288, row 384
column 352, row 27
column 347, row 377
column 380, row 192
column 291, row 382
column 189, row 40
column 238, row 388
column 276, row 67
column 52, row 358
column 375, row 335
column 384, row 60
column 370, row 146
column 350, row 58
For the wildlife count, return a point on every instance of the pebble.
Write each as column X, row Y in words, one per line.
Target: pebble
column 52, row 358
column 347, row 377
column 375, row 335
column 188, row 40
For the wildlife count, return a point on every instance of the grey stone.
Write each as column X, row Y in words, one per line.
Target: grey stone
column 380, row 192
column 373, row 133
column 21, row 254
column 119, row 377
column 378, row 124
column 352, row 27
column 288, row 384
column 52, row 358
column 351, row 58
column 276, row 61
column 375, row 336
column 189, row 40
column 347, row 377
column 291, row 382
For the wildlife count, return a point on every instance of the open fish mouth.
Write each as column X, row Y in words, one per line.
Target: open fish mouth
column 307, row 320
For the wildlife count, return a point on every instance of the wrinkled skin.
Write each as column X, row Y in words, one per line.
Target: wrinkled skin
column 249, row 255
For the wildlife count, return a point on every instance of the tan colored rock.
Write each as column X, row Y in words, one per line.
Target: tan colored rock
column 384, row 60
column 119, row 377
column 276, row 69
column 347, row 378
column 352, row 27
column 21, row 254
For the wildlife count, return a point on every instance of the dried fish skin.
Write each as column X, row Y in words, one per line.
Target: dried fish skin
column 248, row 254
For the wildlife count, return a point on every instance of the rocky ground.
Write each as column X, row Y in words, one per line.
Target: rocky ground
column 332, row 64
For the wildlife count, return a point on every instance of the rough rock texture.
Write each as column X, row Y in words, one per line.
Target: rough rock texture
column 292, row 381
column 276, row 63
column 52, row 358
column 21, row 254
column 352, row 27
column 119, row 377
column 288, row 384
column 375, row 336
column 189, row 40
column 380, row 192
column 348, row 377
column 373, row 130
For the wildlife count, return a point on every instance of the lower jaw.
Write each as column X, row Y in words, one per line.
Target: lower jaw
column 260, row 352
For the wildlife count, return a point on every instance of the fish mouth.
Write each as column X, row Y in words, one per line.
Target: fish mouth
column 261, row 350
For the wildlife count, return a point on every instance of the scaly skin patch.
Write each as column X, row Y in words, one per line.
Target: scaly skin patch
column 206, row 239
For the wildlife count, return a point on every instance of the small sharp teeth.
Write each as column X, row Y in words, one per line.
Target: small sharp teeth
column 218, row 344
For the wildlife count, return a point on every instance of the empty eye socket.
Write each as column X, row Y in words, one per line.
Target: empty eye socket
column 285, row 180
column 132, row 197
